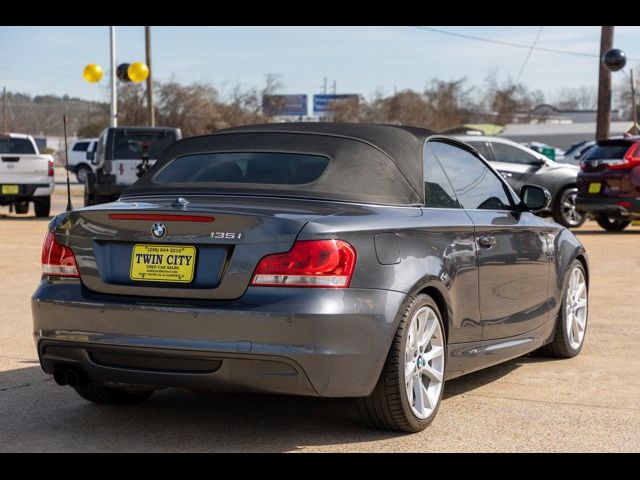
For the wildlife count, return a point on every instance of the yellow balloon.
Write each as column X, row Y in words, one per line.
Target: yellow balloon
column 138, row 72
column 92, row 73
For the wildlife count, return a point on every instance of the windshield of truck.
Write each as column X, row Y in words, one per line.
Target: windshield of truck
column 133, row 144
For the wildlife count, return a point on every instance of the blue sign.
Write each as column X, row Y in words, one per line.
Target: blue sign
column 323, row 103
column 291, row 105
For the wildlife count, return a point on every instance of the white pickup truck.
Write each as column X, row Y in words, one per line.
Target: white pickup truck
column 25, row 175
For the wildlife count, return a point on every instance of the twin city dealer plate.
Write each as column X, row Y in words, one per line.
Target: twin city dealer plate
column 162, row 263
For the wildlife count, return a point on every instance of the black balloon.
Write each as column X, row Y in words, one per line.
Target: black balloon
column 614, row 59
column 122, row 72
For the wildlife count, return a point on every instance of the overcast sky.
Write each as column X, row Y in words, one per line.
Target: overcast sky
column 42, row 60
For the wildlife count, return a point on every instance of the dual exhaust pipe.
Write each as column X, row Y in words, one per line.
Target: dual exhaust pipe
column 69, row 376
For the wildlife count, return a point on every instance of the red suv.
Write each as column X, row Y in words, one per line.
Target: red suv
column 609, row 183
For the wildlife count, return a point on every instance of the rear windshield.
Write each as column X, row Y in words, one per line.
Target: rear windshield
column 132, row 144
column 609, row 150
column 16, row 145
column 246, row 167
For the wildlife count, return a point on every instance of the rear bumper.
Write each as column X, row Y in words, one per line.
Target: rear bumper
column 609, row 206
column 279, row 340
column 27, row 192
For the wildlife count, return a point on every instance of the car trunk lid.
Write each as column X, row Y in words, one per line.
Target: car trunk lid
column 202, row 248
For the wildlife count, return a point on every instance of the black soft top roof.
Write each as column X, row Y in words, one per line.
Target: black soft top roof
column 369, row 163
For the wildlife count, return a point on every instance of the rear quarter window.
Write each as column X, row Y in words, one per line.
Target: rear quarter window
column 244, row 167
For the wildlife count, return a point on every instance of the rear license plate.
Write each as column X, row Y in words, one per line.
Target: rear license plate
column 10, row 189
column 635, row 223
column 163, row 263
column 595, row 187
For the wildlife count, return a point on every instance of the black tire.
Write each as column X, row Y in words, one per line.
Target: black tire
column 564, row 209
column 97, row 393
column 81, row 172
column 21, row 208
column 388, row 407
column 42, row 206
column 89, row 190
column 612, row 224
column 560, row 346
column 100, row 199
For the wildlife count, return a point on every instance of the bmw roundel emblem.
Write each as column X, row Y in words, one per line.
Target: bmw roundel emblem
column 158, row 230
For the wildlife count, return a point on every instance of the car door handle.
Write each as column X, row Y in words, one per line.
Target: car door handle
column 487, row 242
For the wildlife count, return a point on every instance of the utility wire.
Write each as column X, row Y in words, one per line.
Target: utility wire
column 513, row 44
column 526, row 60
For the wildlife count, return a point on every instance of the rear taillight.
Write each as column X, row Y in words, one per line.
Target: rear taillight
column 50, row 171
column 631, row 158
column 57, row 259
column 309, row 263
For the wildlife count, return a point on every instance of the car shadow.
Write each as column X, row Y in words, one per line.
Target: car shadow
column 471, row 381
column 179, row 420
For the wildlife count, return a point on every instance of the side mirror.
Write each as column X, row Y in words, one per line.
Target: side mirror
column 540, row 162
column 91, row 156
column 534, row 198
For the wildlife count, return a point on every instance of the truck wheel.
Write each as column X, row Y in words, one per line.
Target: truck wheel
column 564, row 209
column 612, row 224
column 21, row 207
column 42, row 206
column 89, row 189
column 81, row 173
column 100, row 199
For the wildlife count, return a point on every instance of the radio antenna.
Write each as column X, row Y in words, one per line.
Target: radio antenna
column 66, row 155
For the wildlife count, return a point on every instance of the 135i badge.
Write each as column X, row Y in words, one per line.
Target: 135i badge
column 226, row 235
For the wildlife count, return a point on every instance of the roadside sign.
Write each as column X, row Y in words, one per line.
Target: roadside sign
column 323, row 103
column 290, row 105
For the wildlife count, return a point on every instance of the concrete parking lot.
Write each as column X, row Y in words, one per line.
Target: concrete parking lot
column 590, row 403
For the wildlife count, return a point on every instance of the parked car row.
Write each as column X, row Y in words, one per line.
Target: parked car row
column 607, row 188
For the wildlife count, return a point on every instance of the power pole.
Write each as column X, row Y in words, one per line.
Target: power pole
column 147, row 40
column 4, row 109
column 114, row 97
column 334, row 87
column 604, row 87
column 324, row 89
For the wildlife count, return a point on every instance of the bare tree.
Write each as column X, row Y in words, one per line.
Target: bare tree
column 580, row 98
column 506, row 99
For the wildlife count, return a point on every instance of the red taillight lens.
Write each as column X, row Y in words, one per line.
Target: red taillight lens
column 631, row 158
column 57, row 259
column 309, row 263
column 50, row 171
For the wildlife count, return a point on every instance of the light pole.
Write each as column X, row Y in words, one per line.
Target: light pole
column 114, row 95
column 615, row 60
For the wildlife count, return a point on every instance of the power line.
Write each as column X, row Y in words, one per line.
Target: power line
column 526, row 60
column 513, row 44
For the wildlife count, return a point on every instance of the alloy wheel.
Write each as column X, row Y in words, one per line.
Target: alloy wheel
column 424, row 362
column 576, row 308
column 571, row 215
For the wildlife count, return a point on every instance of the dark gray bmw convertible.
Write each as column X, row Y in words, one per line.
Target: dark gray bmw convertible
column 334, row 260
